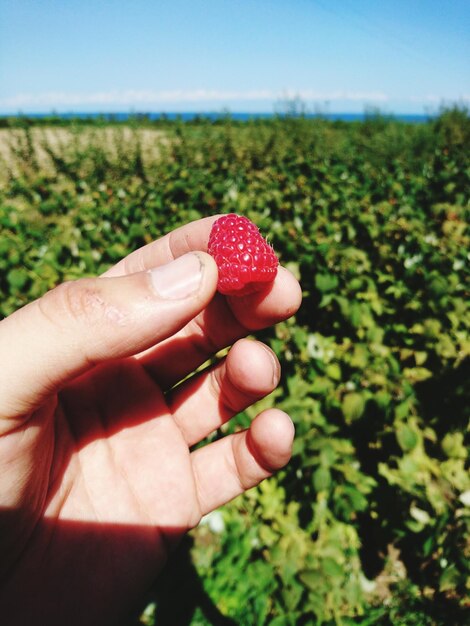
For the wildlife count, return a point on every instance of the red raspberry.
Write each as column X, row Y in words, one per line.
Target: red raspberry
column 246, row 262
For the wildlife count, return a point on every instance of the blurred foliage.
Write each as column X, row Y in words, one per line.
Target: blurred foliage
column 369, row 523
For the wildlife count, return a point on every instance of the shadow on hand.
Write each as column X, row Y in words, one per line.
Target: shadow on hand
column 88, row 579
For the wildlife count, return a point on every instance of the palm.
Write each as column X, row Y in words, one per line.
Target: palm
column 121, row 450
column 122, row 484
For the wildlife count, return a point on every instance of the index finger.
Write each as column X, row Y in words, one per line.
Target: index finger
column 188, row 238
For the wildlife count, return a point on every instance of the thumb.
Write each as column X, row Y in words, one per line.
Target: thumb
column 80, row 324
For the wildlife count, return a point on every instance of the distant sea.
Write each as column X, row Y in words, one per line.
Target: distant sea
column 213, row 116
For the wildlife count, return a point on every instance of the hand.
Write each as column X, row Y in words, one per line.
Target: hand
column 97, row 476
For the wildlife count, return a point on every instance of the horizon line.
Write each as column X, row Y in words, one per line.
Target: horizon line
column 219, row 112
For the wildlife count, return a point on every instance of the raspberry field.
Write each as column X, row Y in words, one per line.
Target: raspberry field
column 370, row 522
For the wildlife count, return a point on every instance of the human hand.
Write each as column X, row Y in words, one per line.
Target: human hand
column 97, row 476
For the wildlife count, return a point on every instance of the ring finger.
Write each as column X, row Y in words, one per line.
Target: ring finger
column 205, row 402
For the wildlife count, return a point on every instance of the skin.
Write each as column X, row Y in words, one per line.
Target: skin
column 98, row 480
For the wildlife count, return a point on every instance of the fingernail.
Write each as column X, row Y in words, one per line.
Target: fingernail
column 178, row 279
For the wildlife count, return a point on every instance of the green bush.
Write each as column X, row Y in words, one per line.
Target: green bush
column 369, row 523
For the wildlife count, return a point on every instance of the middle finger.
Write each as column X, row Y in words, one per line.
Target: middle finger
column 223, row 322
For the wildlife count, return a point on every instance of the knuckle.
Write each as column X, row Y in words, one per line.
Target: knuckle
column 77, row 301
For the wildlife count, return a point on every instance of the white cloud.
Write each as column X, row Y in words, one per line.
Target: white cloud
column 204, row 98
column 435, row 99
column 349, row 96
column 148, row 97
column 131, row 97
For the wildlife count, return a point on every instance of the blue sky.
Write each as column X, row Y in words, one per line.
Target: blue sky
column 402, row 56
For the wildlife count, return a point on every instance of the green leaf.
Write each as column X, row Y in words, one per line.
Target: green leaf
column 312, row 579
column 360, row 356
column 416, row 374
column 333, row 370
column 17, row 279
column 321, row 385
column 407, row 438
column 453, row 446
column 332, row 568
column 383, row 399
column 353, row 406
column 449, row 578
column 326, row 282
column 420, row 357
column 322, row 479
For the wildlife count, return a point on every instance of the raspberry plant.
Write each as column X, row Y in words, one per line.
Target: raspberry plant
column 369, row 523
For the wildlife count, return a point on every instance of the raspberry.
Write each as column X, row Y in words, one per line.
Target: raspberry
column 246, row 262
